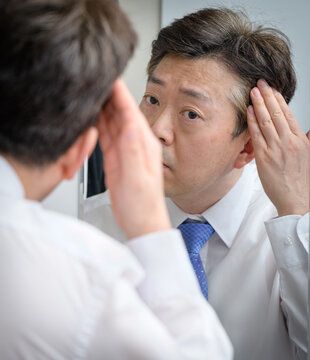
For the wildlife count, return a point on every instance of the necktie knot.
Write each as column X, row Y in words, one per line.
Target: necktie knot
column 195, row 234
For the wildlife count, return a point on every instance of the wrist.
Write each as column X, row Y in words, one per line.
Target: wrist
column 154, row 221
column 294, row 210
column 148, row 228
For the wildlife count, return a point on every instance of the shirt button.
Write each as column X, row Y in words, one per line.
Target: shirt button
column 288, row 241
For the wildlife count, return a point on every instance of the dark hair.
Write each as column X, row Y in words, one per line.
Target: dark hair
column 250, row 51
column 58, row 62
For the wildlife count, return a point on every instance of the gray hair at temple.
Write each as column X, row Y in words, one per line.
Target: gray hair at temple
column 249, row 51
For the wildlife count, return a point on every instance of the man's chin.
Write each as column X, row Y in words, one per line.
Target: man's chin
column 169, row 190
column 170, row 185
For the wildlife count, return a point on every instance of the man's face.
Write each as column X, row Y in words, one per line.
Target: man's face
column 186, row 103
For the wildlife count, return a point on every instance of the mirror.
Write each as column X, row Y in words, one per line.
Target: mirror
column 149, row 16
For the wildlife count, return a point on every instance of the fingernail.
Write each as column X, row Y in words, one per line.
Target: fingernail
column 250, row 110
column 256, row 92
column 262, row 83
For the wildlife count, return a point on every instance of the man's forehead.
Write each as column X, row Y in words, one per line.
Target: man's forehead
column 201, row 78
column 202, row 70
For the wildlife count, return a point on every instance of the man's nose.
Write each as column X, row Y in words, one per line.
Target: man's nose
column 162, row 127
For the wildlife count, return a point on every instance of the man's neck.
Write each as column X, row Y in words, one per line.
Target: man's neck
column 197, row 203
column 37, row 181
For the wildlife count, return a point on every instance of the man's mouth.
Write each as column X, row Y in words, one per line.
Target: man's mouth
column 165, row 166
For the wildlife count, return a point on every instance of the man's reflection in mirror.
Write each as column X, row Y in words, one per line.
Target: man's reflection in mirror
column 216, row 97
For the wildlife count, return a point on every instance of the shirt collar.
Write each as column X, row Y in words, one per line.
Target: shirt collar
column 9, row 181
column 227, row 214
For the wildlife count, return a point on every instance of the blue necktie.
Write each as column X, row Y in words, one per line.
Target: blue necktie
column 195, row 235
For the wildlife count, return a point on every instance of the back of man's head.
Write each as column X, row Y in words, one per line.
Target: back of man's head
column 58, row 62
column 250, row 51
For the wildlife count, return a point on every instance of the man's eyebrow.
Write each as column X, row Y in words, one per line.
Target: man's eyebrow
column 156, row 80
column 195, row 94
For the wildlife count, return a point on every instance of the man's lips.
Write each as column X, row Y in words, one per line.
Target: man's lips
column 165, row 166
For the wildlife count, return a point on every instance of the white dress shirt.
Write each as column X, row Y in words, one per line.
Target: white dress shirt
column 256, row 268
column 69, row 291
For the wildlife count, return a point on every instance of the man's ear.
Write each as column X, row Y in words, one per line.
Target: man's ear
column 246, row 154
column 72, row 160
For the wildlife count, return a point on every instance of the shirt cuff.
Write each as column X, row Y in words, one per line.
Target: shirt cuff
column 168, row 271
column 289, row 237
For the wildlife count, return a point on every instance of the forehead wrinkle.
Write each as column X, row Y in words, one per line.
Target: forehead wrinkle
column 189, row 92
column 195, row 94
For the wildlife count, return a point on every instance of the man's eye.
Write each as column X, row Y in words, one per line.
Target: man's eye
column 151, row 100
column 191, row 115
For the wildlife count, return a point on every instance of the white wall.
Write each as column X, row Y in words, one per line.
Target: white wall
column 145, row 17
column 291, row 17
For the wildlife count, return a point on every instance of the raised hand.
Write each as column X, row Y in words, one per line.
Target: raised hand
column 132, row 165
column 282, row 151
